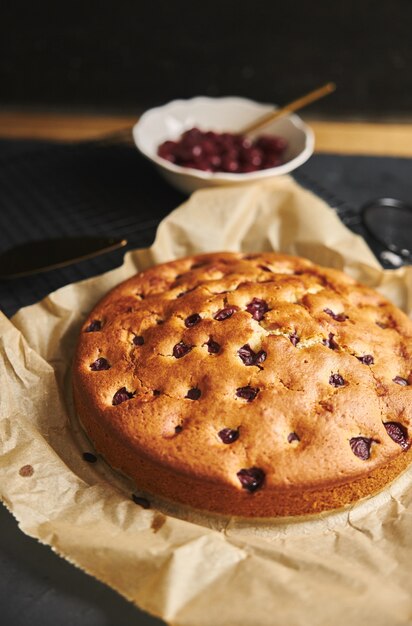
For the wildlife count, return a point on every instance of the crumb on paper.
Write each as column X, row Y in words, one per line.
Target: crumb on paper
column 26, row 471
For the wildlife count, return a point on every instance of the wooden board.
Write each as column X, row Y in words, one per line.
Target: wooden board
column 384, row 139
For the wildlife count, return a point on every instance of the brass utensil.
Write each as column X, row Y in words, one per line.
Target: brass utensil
column 295, row 105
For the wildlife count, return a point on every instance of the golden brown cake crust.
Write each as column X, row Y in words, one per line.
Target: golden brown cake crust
column 253, row 385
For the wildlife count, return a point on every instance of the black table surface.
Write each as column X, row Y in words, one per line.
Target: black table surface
column 106, row 188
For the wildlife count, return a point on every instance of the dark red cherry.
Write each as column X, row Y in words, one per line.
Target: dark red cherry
column 228, row 435
column 293, row 437
column 192, row 320
column 338, row 317
column 100, row 364
column 251, row 478
column 294, row 339
column 181, row 349
column 361, row 447
column 398, row 432
column 212, row 346
column 225, row 313
column 247, row 393
column 89, row 457
column 400, row 381
column 94, row 326
column 121, row 396
column 249, row 357
column 194, row 394
column 143, row 502
column 330, row 342
column 257, row 308
column 367, row 359
column 336, row 380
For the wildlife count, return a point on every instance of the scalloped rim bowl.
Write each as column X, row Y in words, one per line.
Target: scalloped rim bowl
column 219, row 114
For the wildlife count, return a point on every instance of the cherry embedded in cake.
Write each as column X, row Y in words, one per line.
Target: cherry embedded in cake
column 255, row 385
column 229, row 435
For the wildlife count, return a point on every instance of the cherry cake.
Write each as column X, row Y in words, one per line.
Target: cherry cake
column 248, row 384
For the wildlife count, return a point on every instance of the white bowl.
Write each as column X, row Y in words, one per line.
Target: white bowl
column 218, row 114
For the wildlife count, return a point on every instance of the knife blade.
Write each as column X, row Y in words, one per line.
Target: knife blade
column 42, row 255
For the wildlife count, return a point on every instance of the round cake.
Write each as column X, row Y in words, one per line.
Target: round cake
column 248, row 384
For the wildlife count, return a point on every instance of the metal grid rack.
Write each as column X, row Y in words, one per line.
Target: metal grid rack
column 105, row 187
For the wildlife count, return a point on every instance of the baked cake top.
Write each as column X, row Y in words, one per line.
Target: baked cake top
column 258, row 370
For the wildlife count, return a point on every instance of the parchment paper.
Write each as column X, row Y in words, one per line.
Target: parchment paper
column 351, row 567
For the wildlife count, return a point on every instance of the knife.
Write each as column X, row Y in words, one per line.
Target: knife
column 42, row 255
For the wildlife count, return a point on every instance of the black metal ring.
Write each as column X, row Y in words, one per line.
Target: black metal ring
column 386, row 203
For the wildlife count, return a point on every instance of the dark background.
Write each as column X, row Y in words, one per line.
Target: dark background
column 129, row 55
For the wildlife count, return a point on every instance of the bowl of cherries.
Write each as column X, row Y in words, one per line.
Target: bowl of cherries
column 200, row 142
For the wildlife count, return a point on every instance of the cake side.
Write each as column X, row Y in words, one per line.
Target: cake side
column 248, row 384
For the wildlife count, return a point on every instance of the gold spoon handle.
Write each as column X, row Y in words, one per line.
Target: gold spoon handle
column 321, row 92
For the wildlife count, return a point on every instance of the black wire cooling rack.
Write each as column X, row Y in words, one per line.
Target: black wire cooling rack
column 104, row 187
column 88, row 188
